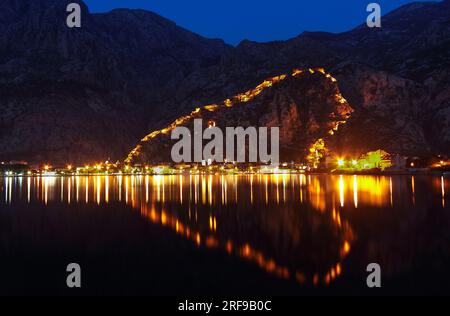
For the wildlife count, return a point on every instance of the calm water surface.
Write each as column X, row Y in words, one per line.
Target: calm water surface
column 253, row 234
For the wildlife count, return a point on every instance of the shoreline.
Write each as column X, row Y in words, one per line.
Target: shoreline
column 390, row 173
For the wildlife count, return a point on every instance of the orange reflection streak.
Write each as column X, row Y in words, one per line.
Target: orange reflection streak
column 277, row 178
column 370, row 190
column 316, row 193
column 39, row 187
column 120, row 188
column 163, row 189
column 302, row 181
column 77, row 183
column 212, row 223
column 443, row 191
column 222, row 188
column 126, row 189
column 251, row 189
column 341, row 190
column 98, row 189
column 236, row 188
column 391, row 192
column 45, row 190
column 107, row 189
column 38, row 183
column 204, row 190
column 10, row 190
column 210, row 191
column 196, row 189
column 87, row 189
column 146, row 188
column 69, row 190
column 346, row 248
column 181, row 189
column 413, row 188
column 62, row 189
column 267, row 190
column 133, row 185
column 28, row 189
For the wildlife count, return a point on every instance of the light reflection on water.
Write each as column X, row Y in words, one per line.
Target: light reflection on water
column 274, row 221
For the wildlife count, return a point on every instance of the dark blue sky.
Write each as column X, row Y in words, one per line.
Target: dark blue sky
column 258, row 20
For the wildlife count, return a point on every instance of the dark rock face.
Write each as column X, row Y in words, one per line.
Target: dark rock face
column 390, row 112
column 88, row 94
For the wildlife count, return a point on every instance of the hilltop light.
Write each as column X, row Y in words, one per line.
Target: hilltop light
column 46, row 167
column 69, row 167
column 354, row 162
column 341, row 162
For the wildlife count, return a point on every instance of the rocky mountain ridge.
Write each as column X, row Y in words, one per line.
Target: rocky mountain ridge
column 89, row 94
column 306, row 106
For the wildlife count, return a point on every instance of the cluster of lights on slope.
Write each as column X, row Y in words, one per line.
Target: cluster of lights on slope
column 240, row 98
column 318, row 149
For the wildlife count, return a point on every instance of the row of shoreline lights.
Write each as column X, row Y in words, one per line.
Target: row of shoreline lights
column 126, row 168
column 341, row 162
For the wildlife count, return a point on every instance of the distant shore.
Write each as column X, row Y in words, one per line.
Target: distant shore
column 331, row 173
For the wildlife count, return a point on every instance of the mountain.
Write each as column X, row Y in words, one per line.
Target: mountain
column 89, row 94
column 306, row 105
column 397, row 78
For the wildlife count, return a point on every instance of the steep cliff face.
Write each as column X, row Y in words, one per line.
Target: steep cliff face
column 390, row 112
column 306, row 105
column 400, row 115
column 88, row 94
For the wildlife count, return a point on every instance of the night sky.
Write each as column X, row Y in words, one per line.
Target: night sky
column 262, row 20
